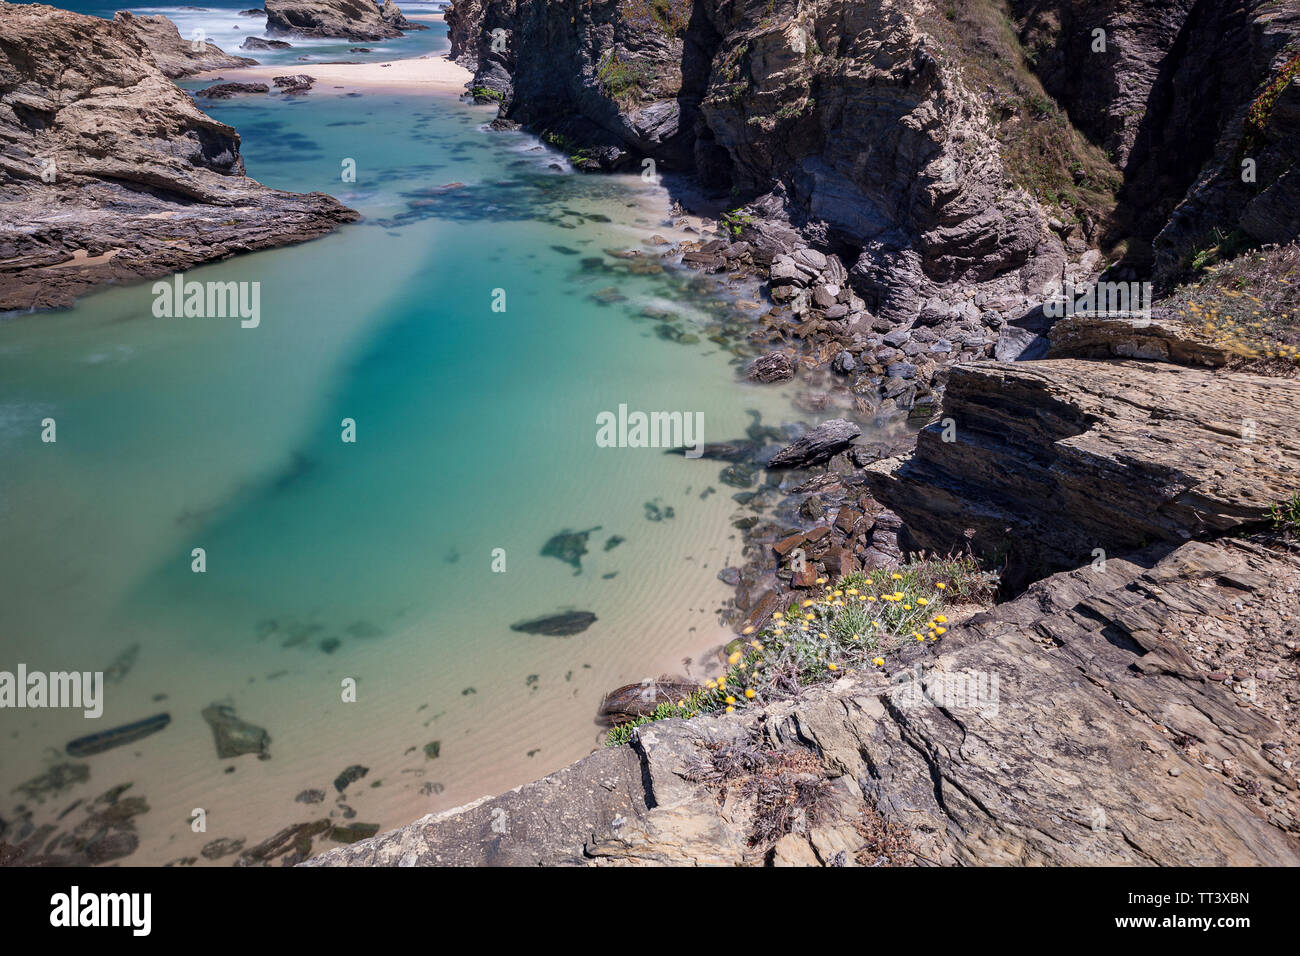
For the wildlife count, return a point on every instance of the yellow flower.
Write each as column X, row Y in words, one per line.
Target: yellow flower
column 681, row 703
column 832, row 667
column 730, row 699
column 941, row 619
column 722, row 683
column 837, row 594
column 711, row 684
column 922, row 601
column 941, row 585
column 896, row 577
column 809, row 603
column 756, row 645
column 821, row 580
column 917, row 636
column 879, row 662
column 735, row 656
column 941, row 630
column 778, row 616
column 852, row 591
column 871, row 597
column 907, row 607
column 731, row 710
column 748, row 630
column 749, row 693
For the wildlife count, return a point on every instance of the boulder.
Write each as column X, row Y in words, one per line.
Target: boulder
column 818, row 446
column 769, row 368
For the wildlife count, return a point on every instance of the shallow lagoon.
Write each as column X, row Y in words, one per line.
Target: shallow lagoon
column 371, row 560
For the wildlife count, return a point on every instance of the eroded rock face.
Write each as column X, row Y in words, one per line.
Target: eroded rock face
column 110, row 173
column 840, row 106
column 174, row 55
column 1102, row 742
column 341, row 19
column 1043, row 463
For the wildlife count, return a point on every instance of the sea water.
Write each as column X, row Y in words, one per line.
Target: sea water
column 396, row 562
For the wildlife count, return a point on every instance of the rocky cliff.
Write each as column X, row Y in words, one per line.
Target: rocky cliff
column 174, row 55
column 110, row 173
column 977, row 147
column 340, row 19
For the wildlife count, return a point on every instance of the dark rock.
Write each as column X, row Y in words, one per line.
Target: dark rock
column 818, row 446
column 350, row 775
column 233, row 736
column 569, row 547
column 564, row 624
column 224, row 91
column 772, row 367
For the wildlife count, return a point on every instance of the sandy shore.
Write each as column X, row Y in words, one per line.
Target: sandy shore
column 425, row 74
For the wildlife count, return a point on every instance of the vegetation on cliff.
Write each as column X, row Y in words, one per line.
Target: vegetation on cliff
column 865, row 618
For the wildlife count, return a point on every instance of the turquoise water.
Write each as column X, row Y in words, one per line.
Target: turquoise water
column 371, row 560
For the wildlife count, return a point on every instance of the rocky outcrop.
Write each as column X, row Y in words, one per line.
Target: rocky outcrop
column 175, row 56
column 339, row 19
column 1104, row 735
column 1053, row 464
column 863, row 138
column 110, row 173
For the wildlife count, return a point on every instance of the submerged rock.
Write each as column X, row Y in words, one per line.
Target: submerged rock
column 117, row 736
column 235, row 737
column 350, row 775
column 569, row 547
column 557, row 625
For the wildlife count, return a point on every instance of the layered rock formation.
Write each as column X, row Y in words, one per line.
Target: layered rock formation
column 1105, row 737
column 973, row 158
column 174, row 55
column 1046, row 465
column 340, row 19
column 110, row 173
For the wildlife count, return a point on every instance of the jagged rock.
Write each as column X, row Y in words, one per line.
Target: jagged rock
column 339, row 19
column 175, row 56
column 1052, row 460
column 257, row 43
column 294, row 84
column 818, row 446
column 144, row 183
column 224, row 91
column 769, row 368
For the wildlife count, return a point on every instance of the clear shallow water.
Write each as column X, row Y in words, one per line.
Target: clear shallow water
column 371, row 561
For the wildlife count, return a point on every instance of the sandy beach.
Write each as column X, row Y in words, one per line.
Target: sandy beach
column 416, row 75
